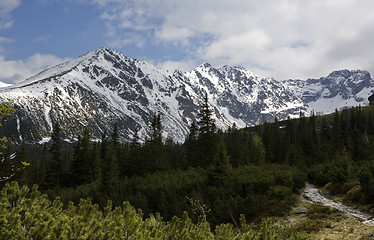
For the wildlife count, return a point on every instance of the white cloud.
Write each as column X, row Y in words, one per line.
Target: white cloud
column 6, row 7
column 254, row 41
column 174, row 34
column 103, row 3
column 18, row 70
column 280, row 39
column 5, row 40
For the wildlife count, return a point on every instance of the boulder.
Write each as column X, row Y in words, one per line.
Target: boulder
column 301, row 210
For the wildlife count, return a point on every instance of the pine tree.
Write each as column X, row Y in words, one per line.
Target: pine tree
column 96, row 162
column 222, row 167
column 337, row 133
column 116, row 142
column 103, row 146
column 158, row 157
column 109, row 159
column 137, row 163
column 42, row 171
column 207, row 140
column 66, row 163
column 206, row 122
column 120, row 150
column 83, row 166
column 110, row 173
column 54, row 165
column 176, row 154
column 135, row 142
column 193, row 134
column 55, row 148
column 274, row 142
column 191, row 145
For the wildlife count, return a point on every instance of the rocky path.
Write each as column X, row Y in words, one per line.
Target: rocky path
column 312, row 194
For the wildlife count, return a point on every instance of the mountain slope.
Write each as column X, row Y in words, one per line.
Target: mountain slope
column 239, row 94
column 103, row 88
column 98, row 90
column 340, row 89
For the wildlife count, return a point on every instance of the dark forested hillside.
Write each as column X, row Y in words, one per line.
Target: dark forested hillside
column 213, row 175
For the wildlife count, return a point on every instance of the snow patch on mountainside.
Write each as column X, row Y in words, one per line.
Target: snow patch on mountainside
column 3, row 84
column 19, row 128
column 242, row 97
column 328, row 105
column 340, row 89
column 103, row 88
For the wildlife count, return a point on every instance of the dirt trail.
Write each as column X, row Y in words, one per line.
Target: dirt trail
column 311, row 194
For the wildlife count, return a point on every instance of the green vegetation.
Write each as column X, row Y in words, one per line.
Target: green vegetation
column 8, row 168
column 28, row 214
column 317, row 219
column 207, row 185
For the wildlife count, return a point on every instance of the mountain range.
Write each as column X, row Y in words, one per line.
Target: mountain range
column 103, row 88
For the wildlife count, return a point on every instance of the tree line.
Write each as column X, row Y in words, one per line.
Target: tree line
column 255, row 171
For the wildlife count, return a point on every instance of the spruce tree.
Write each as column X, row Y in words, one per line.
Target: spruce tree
column 191, row 145
column 207, row 141
column 336, row 131
column 135, row 142
column 54, row 164
column 42, row 171
column 206, row 121
column 96, row 162
column 82, row 166
column 119, row 149
column 110, row 173
column 110, row 153
column 66, row 162
column 116, row 142
column 136, row 161
column 222, row 168
column 158, row 157
column 103, row 146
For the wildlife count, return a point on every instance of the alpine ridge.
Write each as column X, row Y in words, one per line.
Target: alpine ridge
column 104, row 88
column 340, row 89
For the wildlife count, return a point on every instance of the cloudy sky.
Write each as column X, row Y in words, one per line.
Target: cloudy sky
column 275, row 38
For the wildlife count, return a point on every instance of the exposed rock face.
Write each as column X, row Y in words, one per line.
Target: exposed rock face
column 340, row 89
column 371, row 100
column 104, row 87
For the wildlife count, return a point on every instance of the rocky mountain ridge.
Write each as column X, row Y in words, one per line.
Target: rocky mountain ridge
column 103, row 88
column 338, row 90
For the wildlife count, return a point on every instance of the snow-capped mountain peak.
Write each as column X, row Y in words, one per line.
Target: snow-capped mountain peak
column 340, row 89
column 103, row 88
column 237, row 93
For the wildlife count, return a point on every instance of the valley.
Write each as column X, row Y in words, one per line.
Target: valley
column 212, row 153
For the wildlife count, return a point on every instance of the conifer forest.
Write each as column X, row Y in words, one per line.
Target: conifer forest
column 215, row 185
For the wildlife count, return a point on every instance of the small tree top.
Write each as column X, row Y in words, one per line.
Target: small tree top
column 206, row 122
